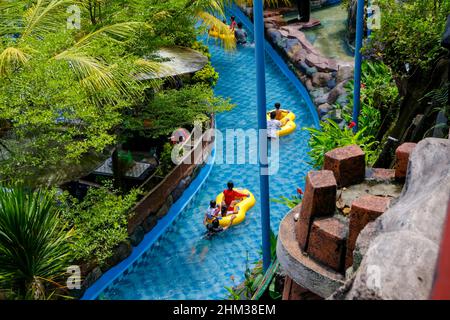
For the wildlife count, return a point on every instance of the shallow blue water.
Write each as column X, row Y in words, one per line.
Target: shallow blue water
column 183, row 265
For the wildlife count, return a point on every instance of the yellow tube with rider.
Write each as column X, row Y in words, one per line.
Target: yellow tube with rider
column 240, row 208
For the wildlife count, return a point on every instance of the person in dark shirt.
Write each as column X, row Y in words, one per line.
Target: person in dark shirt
column 215, row 228
column 240, row 34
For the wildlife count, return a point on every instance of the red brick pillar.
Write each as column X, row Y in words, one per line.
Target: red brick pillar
column 327, row 242
column 347, row 163
column 402, row 158
column 364, row 210
column 319, row 201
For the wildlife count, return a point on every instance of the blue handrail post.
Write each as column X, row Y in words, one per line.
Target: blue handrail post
column 369, row 17
column 258, row 14
column 358, row 61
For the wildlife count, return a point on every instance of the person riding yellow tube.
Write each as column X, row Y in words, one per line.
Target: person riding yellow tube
column 240, row 208
column 286, row 118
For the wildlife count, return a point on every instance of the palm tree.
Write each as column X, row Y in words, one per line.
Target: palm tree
column 34, row 247
column 43, row 17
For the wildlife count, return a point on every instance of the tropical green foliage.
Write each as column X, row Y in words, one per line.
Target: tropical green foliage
column 34, row 245
column 410, row 33
column 100, row 222
column 165, row 160
column 379, row 94
column 438, row 98
column 290, row 202
column 253, row 277
column 332, row 136
column 206, row 75
column 172, row 109
column 62, row 92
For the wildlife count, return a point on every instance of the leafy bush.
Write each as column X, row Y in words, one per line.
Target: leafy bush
column 199, row 46
column 100, row 222
column 410, row 33
column 378, row 94
column 165, row 160
column 331, row 137
column 439, row 99
column 172, row 109
column 34, row 244
column 206, row 75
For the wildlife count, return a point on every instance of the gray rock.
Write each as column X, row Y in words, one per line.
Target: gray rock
column 344, row 73
column 137, row 236
column 162, row 211
column 178, row 191
column 342, row 100
column 122, row 251
column 309, row 86
column 273, row 34
column 318, row 92
column 320, row 79
column 331, row 83
column 150, row 222
column 337, row 91
column 322, row 99
column 291, row 43
column 303, row 66
column 400, row 249
column 324, row 109
column 311, row 71
column 93, row 276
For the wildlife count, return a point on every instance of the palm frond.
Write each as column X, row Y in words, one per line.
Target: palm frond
column 11, row 58
column 44, row 17
column 92, row 73
column 211, row 21
column 117, row 32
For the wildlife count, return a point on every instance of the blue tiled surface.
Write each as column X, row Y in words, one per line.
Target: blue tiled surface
column 183, row 265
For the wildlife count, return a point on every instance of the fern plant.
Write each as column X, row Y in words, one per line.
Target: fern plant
column 332, row 136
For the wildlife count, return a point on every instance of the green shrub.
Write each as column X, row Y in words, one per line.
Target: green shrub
column 172, row 109
column 100, row 222
column 206, row 75
column 165, row 160
column 201, row 47
column 410, row 33
column 378, row 94
column 331, row 137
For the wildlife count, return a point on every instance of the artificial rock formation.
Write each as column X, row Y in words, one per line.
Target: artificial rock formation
column 316, row 239
column 395, row 256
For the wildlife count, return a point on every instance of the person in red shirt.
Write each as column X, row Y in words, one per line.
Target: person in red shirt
column 230, row 196
column 233, row 23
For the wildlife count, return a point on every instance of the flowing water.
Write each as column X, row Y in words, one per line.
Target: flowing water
column 184, row 265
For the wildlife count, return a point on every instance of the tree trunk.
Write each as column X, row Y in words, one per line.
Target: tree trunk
column 117, row 172
column 304, row 10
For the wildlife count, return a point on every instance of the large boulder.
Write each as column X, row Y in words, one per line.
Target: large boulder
column 395, row 256
column 320, row 79
column 336, row 92
column 344, row 73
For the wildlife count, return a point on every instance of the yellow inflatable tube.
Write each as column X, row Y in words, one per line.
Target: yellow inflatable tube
column 223, row 36
column 241, row 207
column 287, row 127
column 213, row 34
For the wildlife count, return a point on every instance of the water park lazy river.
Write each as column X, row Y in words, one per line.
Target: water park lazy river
column 169, row 269
column 93, row 115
